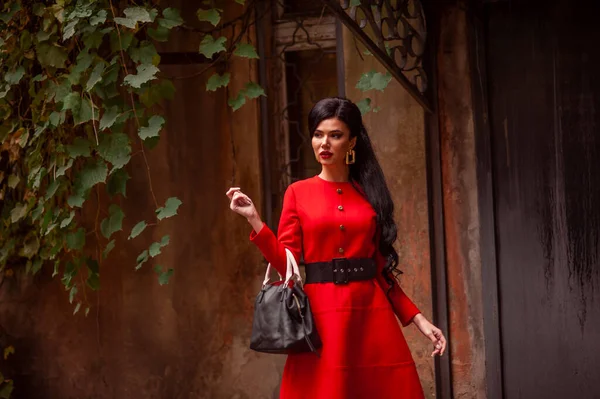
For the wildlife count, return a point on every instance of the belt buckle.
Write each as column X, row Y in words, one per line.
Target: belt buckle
column 341, row 266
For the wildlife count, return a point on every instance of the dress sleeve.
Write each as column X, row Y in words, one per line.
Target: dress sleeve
column 289, row 232
column 404, row 308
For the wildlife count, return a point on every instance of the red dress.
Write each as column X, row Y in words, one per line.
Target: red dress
column 364, row 353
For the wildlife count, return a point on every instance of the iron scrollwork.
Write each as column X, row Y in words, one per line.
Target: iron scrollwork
column 395, row 32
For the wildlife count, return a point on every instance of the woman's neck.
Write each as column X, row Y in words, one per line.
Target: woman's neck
column 335, row 174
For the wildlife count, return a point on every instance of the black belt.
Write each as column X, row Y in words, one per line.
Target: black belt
column 341, row 270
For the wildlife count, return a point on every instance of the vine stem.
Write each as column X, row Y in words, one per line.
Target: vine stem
column 112, row 9
column 94, row 120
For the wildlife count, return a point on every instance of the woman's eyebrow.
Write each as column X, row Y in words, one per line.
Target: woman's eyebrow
column 331, row 131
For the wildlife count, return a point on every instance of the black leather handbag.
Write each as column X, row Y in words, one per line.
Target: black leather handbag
column 283, row 322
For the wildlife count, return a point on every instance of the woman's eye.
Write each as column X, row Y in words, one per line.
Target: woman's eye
column 336, row 136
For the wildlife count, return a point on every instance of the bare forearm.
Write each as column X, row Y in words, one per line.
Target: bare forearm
column 256, row 222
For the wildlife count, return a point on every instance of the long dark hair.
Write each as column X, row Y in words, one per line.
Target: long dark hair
column 365, row 172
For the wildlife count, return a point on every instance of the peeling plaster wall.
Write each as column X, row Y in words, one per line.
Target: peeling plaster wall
column 397, row 131
column 188, row 339
column 461, row 212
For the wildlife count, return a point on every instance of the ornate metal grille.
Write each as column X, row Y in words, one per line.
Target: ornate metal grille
column 395, row 32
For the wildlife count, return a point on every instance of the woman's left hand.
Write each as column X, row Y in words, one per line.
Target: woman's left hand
column 432, row 332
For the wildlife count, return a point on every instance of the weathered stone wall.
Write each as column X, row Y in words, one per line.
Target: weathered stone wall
column 461, row 211
column 188, row 339
column 398, row 134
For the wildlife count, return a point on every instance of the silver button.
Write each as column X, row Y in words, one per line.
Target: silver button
column 335, row 270
column 355, row 269
column 341, row 208
column 341, row 250
column 361, row 269
column 339, row 190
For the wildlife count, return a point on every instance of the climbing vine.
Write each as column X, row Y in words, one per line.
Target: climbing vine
column 80, row 95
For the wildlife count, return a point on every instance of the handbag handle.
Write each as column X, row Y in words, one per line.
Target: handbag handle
column 292, row 270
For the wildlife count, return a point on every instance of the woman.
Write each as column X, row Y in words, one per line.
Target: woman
column 342, row 222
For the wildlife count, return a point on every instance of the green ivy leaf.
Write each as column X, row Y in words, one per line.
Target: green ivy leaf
column 373, row 80
column 79, row 148
column 115, row 148
column 93, row 39
column 364, row 105
column 72, row 101
column 170, row 19
column 10, row 12
column 137, row 229
column 31, row 247
column 67, row 221
column 37, row 212
column 152, row 130
column 253, row 90
column 160, row 34
column 95, row 76
column 157, row 92
column 72, row 293
column 51, row 190
column 93, row 281
column 82, row 10
column 37, row 266
column 364, row 83
column 163, row 277
column 77, row 307
column 133, row 16
column 18, row 212
column 69, row 30
column 120, row 43
column 76, row 239
column 240, row 2
column 165, row 241
column 13, row 180
column 109, row 247
column 154, row 249
column 51, row 55
column 99, row 18
column 63, row 169
column 141, row 259
column 57, row 118
column 114, row 221
column 145, row 54
column 170, row 208
column 212, row 15
column 75, row 201
column 145, row 73
column 14, row 77
column 380, row 81
column 210, row 46
column 85, row 112
column 354, row 3
column 216, row 81
column 42, row 36
column 109, row 117
column 94, row 172
column 117, row 183
column 237, row 102
column 246, row 50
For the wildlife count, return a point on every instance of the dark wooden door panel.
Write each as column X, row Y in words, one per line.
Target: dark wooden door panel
column 544, row 88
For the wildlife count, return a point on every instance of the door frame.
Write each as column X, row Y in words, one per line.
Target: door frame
column 485, row 194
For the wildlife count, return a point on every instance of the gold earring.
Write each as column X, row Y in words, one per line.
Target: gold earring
column 350, row 157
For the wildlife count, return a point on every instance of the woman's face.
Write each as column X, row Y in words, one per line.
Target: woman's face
column 331, row 140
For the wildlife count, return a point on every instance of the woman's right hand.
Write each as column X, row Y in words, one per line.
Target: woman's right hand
column 241, row 203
